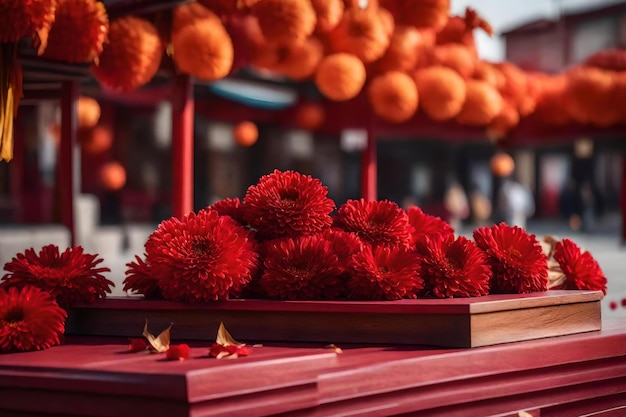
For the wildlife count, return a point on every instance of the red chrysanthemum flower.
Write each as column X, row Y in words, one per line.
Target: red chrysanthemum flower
column 454, row 267
column 71, row 277
column 343, row 244
column 29, row 320
column 423, row 224
column 178, row 352
column 384, row 273
column 288, row 204
column 379, row 223
column 140, row 280
column 202, row 257
column 516, row 259
column 301, row 268
column 582, row 271
column 232, row 207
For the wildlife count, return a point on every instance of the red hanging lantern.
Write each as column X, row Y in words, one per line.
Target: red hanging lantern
column 132, row 56
column 340, row 76
column 79, row 31
column 310, row 116
column 88, row 112
column 96, row 140
column 245, row 133
column 113, row 176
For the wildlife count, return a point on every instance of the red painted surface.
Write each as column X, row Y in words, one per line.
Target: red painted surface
column 182, row 146
column 369, row 168
column 95, row 377
column 65, row 181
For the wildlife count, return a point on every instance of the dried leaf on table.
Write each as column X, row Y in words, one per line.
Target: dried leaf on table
column 556, row 277
column 161, row 343
column 224, row 338
column 226, row 346
column 334, row 348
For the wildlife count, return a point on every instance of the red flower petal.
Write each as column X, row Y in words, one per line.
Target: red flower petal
column 426, row 225
column 581, row 270
column 70, row 277
column 178, row 352
column 137, row 345
column 29, row 320
column 202, row 257
column 379, row 223
column 288, row 204
column 384, row 273
column 140, row 280
column 454, row 267
column 516, row 259
column 232, row 207
column 301, row 268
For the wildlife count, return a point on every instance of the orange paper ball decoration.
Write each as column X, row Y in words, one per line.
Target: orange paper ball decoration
column 419, row 13
column 133, row 55
column 204, row 50
column 482, row 104
column 297, row 62
column 460, row 29
column 340, row 76
column 608, row 59
column 328, row 12
column 88, row 112
column 245, row 133
column 504, row 122
column 96, row 140
column 393, row 96
column 588, row 97
column 488, row 72
column 113, row 176
column 502, row 164
column 361, row 32
column 310, row 116
column 285, row 22
column 25, row 18
column 458, row 57
column 550, row 109
column 79, row 31
column 406, row 48
column 442, row 92
column 190, row 13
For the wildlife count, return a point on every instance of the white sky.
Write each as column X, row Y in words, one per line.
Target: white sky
column 506, row 14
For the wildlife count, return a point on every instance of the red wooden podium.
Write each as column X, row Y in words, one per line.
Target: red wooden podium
column 563, row 376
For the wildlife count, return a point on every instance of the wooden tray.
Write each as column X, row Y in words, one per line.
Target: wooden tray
column 462, row 322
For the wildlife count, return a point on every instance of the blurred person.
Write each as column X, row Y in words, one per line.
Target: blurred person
column 516, row 202
column 480, row 207
column 456, row 204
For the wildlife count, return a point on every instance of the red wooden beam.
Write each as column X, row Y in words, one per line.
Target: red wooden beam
column 65, row 181
column 182, row 146
column 369, row 168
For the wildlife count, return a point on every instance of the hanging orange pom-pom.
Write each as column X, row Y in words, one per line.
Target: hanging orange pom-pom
column 482, row 104
column 95, row 140
column 328, row 12
column 340, row 76
column 588, row 97
column 460, row 29
column 310, row 116
column 361, row 32
column 550, row 109
column 113, row 176
column 79, row 31
column 285, row 21
column 88, row 112
column 203, row 50
column 406, row 49
column 25, row 18
column 393, row 96
column 190, row 13
column 455, row 56
column 502, row 164
column 489, row 73
column 442, row 92
column 516, row 88
column 245, row 133
column 297, row 62
column 421, row 14
column 132, row 56
column 608, row 59
column 227, row 7
column 506, row 120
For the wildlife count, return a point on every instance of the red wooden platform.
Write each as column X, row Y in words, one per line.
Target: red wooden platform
column 561, row 376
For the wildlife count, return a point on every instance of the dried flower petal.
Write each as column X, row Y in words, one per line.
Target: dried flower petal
column 178, row 352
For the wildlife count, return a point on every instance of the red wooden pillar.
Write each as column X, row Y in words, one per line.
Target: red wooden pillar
column 623, row 198
column 369, row 168
column 182, row 146
column 66, row 170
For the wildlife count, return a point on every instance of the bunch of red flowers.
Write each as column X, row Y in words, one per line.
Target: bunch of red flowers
column 281, row 241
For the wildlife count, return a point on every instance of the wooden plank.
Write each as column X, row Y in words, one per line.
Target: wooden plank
column 460, row 322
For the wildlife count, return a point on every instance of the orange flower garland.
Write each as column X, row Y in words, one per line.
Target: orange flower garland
column 132, row 56
column 482, row 104
column 79, row 31
column 362, row 33
column 393, row 96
